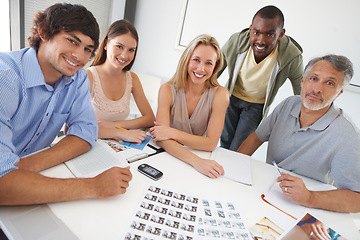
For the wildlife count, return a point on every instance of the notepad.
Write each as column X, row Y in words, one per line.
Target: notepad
column 237, row 166
column 274, row 196
column 100, row 158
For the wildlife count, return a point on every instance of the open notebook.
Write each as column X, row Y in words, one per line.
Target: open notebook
column 237, row 166
column 100, row 158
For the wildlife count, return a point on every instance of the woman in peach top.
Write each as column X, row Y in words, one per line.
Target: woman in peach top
column 112, row 83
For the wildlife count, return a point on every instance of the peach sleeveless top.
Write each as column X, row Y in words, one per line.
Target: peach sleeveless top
column 197, row 123
column 106, row 109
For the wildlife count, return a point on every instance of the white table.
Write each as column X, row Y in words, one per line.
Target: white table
column 110, row 219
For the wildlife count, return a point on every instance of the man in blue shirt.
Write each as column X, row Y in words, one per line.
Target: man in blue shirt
column 41, row 88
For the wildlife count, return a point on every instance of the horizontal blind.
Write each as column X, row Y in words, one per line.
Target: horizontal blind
column 100, row 10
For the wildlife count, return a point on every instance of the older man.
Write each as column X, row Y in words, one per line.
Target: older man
column 310, row 136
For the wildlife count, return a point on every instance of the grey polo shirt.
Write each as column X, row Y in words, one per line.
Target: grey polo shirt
column 328, row 150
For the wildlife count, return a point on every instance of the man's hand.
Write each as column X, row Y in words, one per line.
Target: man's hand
column 112, row 182
column 294, row 189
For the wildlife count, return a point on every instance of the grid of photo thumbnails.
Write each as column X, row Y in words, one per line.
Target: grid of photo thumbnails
column 165, row 214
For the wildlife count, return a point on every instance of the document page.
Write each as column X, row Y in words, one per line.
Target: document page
column 100, row 158
column 275, row 197
column 237, row 166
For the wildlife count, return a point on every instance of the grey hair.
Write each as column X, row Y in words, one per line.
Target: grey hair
column 340, row 63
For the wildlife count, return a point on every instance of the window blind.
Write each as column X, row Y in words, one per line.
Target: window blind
column 100, row 10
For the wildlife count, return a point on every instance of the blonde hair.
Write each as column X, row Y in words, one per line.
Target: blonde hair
column 181, row 74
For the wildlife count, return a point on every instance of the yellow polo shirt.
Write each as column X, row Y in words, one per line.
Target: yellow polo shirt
column 253, row 78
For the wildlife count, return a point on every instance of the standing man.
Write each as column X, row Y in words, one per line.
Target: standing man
column 310, row 136
column 259, row 60
column 41, row 88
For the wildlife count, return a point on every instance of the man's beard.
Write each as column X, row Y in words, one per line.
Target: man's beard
column 316, row 106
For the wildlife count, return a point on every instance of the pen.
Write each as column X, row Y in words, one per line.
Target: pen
column 121, row 128
column 276, row 167
column 137, row 157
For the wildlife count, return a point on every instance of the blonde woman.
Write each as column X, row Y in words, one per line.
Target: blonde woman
column 192, row 106
column 112, row 83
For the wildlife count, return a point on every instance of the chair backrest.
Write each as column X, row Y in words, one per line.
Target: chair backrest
column 151, row 85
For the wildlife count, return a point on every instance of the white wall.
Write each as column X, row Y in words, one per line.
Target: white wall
column 157, row 22
column 319, row 34
column 117, row 11
column 5, row 27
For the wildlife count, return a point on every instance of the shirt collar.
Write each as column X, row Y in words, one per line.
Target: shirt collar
column 33, row 75
column 271, row 54
column 322, row 123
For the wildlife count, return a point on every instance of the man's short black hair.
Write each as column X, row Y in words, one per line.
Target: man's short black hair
column 270, row 12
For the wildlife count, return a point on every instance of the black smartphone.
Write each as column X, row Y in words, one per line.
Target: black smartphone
column 150, row 171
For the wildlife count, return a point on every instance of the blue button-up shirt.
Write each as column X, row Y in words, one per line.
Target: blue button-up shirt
column 33, row 112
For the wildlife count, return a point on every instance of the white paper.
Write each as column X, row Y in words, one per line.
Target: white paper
column 100, row 158
column 237, row 166
column 275, row 196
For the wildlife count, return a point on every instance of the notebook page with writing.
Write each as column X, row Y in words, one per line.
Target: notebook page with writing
column 237, row 166
column 100, row 158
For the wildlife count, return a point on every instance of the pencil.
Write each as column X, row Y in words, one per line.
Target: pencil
column 121, row 128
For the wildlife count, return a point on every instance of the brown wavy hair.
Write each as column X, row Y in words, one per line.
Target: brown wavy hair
column 117, row 28
column 63, row 17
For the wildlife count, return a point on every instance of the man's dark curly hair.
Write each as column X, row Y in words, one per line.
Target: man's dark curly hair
column 63, row 17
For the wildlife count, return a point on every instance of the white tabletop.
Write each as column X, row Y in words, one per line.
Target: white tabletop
column 110, row 219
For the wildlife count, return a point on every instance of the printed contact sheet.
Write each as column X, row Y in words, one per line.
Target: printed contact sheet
column 166, row 214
